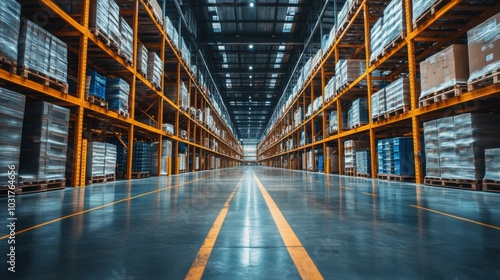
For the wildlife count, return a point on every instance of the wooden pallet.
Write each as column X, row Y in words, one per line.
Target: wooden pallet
column 46, row 80
column 103, row 37
column 454, row 183
column 432, row 181
column 357, row 125
column 349, row 15
column 123, row 113
column 378, row 118
column 429, row 12
column 139, row 175
column 8, row 64
column 40, row 186
column 111, row 177
column 398, row 178
column 392, row 44
column 156, row 17
column 491, row 185
column 485, row 80
column 97, row 179
column 364, row 175
column 396, row 112
column 97, row 101
column 443, row 94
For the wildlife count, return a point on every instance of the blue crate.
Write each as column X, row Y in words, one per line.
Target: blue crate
column 321, row 163
column 182, row 147
column 97, row 85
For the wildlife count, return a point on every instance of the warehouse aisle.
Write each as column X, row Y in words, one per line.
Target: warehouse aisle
column 255, row 223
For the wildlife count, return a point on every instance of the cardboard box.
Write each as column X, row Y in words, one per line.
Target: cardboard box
column 444, row 69
column 484, row 47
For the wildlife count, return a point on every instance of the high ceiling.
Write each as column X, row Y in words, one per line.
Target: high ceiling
column 251, row 48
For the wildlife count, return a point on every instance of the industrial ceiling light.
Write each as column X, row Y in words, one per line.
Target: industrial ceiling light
column 252, row 4
column 251, row 76
column 250, row 67
column 250, row 46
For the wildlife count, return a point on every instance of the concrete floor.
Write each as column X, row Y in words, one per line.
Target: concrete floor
column 349, row 228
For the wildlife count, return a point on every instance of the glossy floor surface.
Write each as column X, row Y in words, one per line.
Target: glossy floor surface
column 254, row 223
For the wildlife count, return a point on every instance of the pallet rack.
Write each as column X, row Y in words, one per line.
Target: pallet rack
column 90, row 121
column 447, row 22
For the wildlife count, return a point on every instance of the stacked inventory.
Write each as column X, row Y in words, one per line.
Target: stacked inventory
column 126, row 41
column 156, row 9
column 376, row 39
column 199, row 116
column 182, row 162
column 492, row 165
column 110, row 160
column 317, row 104
column 328, row 40
column 333, row 123
column 155, row 69
column 432, row 168
column 363, row 163
column 348, row 70
column 397, row 96
column 446, row 139
column 10, row 15
column 96, row 160
column 419, row 8
column 105, row 19
column 166, row 152
column 168, row 128
column 358, row 113
column 484, row 49
column 185, row 53
column 378, row 108
column 42, row 53
column 117, row 94
column 298, row 116
column 95, row 85
column 141, row 161
column 330, row 89
column 342, row 17
column 395, row 156
column 171, row 32
column 121, row 156
column 443, row 72
column 388, row 29
column 44, row 142
column 184, row 97
column 12, row 106
column 142, row 60
column 333, row 158
column 350, row 149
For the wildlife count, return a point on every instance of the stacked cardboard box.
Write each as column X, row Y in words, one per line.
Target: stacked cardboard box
column 126, row 40
column 348, row 70
column 397, row 95
column 330, row 89
column 12, row 105
column 333, row 157
column 10, row 21
column 350, row 149
column 44, row 141
column 377, row 39
column 358, row 113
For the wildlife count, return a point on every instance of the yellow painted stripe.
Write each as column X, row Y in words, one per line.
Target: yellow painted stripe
column 456, row 217
column 306, row 267
column 100, row 207
column 201, row 260
column 346, row 188
column 370, row 194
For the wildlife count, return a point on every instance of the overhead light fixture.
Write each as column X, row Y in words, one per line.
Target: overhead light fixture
column 250, row 67
column 250, row 46
column 252, row 4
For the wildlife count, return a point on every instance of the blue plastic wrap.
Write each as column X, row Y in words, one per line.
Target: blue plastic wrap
column 96, row 84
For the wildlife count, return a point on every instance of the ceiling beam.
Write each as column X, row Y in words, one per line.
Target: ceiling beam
column 259, row 71
column 255, row 39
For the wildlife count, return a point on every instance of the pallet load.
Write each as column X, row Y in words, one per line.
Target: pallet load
column 363, row 163
column 462, row 141
column 328, row 40
column 395, row 159
column 142, row 60
column 10, row 22
column 155, row 69
column 126, row 41
column 156, row 10
column 317, row 104
column 397, row 97
column 183, row 163
column 491, row 180
column 432, row 168
column 184, row 97
column 12, row 106
column 420, row 7
column 44, row 144
column 484, row 52
column 166, row 153
column 141, row 160
column 117, row 95
column 333, row 158
column 95, row 88
column 343, row 15
column 104, row 21
column 168, row 128
column 358, row 113
column 348, row 70
column 350, row 149
column 329, row 91
column 378, row 109
column 376, row 39
column 185, row 53
column 110, row 161
column 171, row 32
column 388, row 29
column 96, row 158
column 42, row 55
column 443, row 75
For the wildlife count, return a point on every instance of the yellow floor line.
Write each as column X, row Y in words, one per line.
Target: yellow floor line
column 306, row 267
column 370, row 194
column 346, row 188
column 456, row 217
column 201, row 260
column 100, row 207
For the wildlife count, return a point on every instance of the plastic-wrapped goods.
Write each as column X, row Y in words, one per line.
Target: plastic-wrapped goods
column 166, row 152
column 184, row 97
column 95, row 84
column 185, row 53
column 317, row 104
column 492, row 164
column 10, row 21
column 141, row 157
column 199, row 116
column 44, row 141
column 377, row 39
column 169, row 28
column 155, row 69
column 117, row 94
column 316, row 59
column 309, row 111
column 377, row 108
column 333, row 157
column 420, row 6
column 303, row 136
column 157, row 12
column 42, row 52
column 183, row 134
column 168, row 128
column 358, row 113
column 363, row 162
column 114, row 22
column 96, row 159
column 99, row 16
column 394, row 23
column 142, row 60
column 298, row 116
column 348, row 70
column 484, row 48
column 330, row 89
column 446, row 138
column 395, row 156
column 350, row 149
column 12, row 105
column 473, row 134
column 110, row 160
column 328, row 40
column 342, row 16
column 432, row 163
column 126, row 40
column 443, row 70
column 397, row 95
